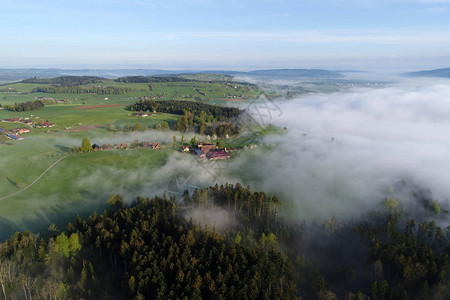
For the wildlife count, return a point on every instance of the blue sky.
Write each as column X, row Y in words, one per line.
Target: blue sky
column 245, row 34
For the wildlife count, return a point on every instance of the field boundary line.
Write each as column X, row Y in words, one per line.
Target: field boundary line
column 36, row 180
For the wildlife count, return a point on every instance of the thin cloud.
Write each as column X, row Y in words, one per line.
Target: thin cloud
column 317, row 36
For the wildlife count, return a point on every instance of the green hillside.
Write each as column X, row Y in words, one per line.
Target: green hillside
column 97, row 90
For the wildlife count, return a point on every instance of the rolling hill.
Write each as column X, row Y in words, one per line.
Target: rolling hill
column 445, row 73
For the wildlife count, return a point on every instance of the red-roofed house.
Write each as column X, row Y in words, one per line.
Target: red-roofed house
column 206, row 147
column 217, row 154
column 156, row 146
column 22, row 130
column 47, row 124
column 12, row 120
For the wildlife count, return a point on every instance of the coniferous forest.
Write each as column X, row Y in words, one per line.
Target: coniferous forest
column 153, row 248
column 65, row 80
column 199, row 117
column 73, row 89
column 25, row 106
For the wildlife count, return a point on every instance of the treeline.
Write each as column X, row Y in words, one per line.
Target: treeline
column 25, row 106
column 99, row 90
column 387, row 255
column 162, row 79
column 247, row 84
column 407, row 263
column 236, row 198
column 205, row 124
column 220, row 113
column 153, row 79
column 154, row 249
column 197, row 116
column 65, row 80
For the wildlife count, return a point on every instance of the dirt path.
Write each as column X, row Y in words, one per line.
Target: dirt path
column 51, row 166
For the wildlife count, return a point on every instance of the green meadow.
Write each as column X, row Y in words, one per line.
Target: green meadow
column 65, row 116
column 78, row 184
column 209, row 87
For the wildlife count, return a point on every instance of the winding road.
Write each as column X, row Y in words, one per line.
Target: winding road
column 31, row 184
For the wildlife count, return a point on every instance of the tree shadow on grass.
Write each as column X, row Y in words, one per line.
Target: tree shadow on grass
column 7, row 229
column 13, row 183
column 59, row 214
column 63, row 149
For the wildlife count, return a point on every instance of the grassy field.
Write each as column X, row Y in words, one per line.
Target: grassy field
column 65, row 116
column 61, row 193
column 196, row 90
column 76, row 185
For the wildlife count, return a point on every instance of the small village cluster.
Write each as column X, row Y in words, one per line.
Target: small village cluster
column 201, row 150
column 51, row 100
column 208, row 151
column 14, row 134
column 144, row 114
column 124, row 146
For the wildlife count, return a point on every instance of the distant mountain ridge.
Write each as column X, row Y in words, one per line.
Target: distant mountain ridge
column 445, row 73
column 297, row 72
column 311, row 73
column 21, row 74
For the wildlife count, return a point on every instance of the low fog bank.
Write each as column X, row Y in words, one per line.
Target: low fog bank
column 344, row 152
column 386, row 77
column 128, row 137
column 213, row 216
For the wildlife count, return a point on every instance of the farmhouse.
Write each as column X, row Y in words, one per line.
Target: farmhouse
column 206, row 147
column 141, row 114
column 96, row 147
column 121, row 146
column 45, row 98
column 217, row 154
column 25, row 121
column 156, row 145
column 12, row 120
column 21, row 130
column 146, row 145
column 14, row 136
column 47, row 124
column 149, row 145
column 199, row 153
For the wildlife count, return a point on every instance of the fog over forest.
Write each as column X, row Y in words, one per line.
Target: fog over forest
column 341, row 153
column 344, row 151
